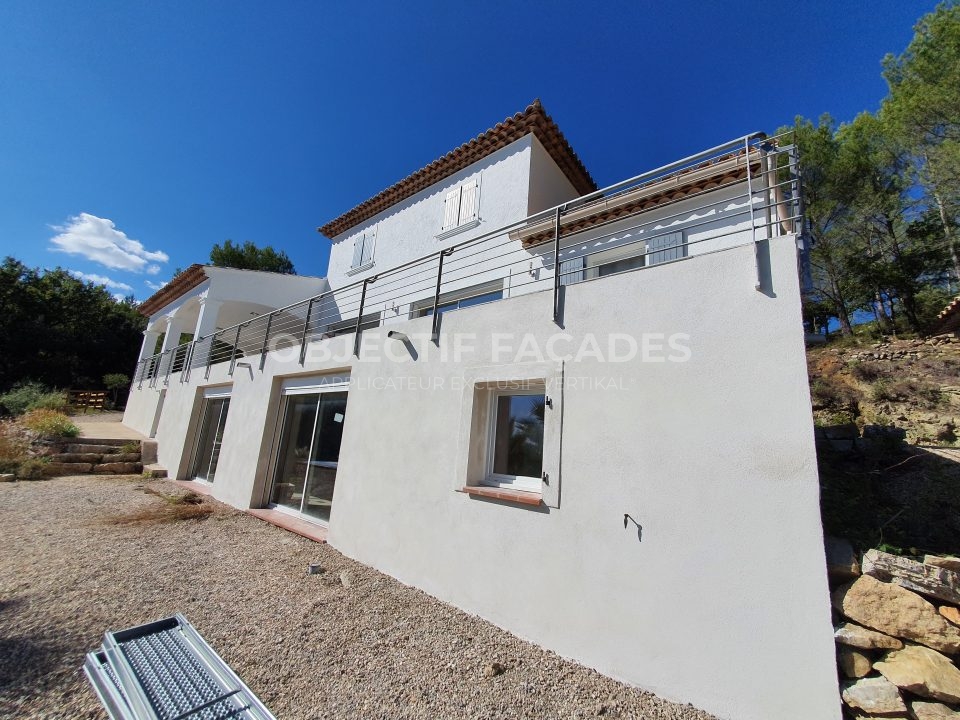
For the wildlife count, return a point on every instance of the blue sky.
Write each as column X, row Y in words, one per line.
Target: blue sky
column 134, row 135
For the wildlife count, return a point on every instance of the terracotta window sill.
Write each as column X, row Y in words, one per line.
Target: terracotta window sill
column 494, row 493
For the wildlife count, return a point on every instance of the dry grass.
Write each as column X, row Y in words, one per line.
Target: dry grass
column 174, row 507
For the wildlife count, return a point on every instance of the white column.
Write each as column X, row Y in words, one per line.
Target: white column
column 149, row 343
column 207, row 320
column 174, row 328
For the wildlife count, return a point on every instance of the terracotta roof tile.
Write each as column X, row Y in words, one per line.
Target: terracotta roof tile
column 713, row 174
column 185, row 281
column 532, row 120
column 949, row 318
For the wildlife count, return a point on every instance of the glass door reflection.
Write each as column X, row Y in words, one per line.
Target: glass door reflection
column 309, row 452
column 211, row 437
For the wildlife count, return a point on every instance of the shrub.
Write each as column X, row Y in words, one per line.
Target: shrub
column 50, row 423
column 31, row 396
column 831, row 393
column 17, row 401
column 882, row 392
column 54, row 400
column 865, row 372
column 31, row 469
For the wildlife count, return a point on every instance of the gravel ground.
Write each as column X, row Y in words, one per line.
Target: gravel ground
column 308, row 645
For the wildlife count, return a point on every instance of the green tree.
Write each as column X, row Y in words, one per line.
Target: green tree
column 62, row 331
column 829, row 186
column 897, row 261
column 871, row 248
column 923, row 107
column 250, row 257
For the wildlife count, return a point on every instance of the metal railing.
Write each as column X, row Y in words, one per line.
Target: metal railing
column 744, row 191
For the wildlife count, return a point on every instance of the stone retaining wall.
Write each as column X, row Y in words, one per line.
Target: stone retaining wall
column 897, row 629
column 99, row 457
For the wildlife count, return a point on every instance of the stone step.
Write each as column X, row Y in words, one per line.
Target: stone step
column 90, row 448
column 75, row 457
column 118, row 468
column 154, row 471
column 54, row 469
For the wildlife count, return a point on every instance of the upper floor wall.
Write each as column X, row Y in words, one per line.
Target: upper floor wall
column 491, row 193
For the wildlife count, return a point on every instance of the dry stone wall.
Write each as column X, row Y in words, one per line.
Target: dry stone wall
column 897, row 629
column 102, row 458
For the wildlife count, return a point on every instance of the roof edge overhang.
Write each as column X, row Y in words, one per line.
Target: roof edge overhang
column 534, row 120
column 948, row 321
column 176, row 288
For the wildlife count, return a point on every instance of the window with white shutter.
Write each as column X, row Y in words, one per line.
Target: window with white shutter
column 460, row 208
column 468, row 202
column 664, row 248
column 451, row 209
column 571, row 271
column 363, row 250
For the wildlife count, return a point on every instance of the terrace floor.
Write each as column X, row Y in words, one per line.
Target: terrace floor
column 105, row 426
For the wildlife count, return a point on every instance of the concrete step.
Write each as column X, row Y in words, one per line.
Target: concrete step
column 154, row 471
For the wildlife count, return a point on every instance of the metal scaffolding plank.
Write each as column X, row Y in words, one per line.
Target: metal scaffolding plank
column 165, row 670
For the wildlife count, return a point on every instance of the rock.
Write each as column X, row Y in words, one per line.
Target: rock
column 95, row 449
column 75, row 458
column 922, row 671
column 55, row 468
column 937, row 582
column 874, row 695
column 842, row 562
column 121, row 458
column 853, row 662
column 896, row 611
column 345, row 579
column 493, row 669
column 7, row 477
column 950, row 613
column 124, row 468
column 861, row 637
column 923, row 710
column 949, row 563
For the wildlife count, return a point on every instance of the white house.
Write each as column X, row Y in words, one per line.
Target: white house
column 611, row 455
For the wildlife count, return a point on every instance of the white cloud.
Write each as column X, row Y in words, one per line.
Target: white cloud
column 98, row 239
column 101, row 280
column 153, row 269
column 154, row 286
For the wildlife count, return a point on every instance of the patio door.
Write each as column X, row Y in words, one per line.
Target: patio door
column 309, row 451
column 212, row 422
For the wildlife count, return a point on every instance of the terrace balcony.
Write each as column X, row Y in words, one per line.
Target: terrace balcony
column 742, row 192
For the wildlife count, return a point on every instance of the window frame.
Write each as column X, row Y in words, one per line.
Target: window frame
column 368, row 238
column 462, row 223
column 520, row 483
column 450, row 301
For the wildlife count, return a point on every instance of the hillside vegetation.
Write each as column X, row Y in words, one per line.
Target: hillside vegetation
column 887, row 416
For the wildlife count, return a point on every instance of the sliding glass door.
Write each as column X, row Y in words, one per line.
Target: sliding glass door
column 212, row 422
column 309, row 450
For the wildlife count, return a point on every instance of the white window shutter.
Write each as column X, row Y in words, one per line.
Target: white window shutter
column 451, row 210
column 468, row 202
column 357, row 251
column 571, row 271
column 369, row 240
column 667, row 247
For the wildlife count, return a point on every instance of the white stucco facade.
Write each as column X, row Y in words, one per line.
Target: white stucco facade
column 674, row 540
column 713, row 456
